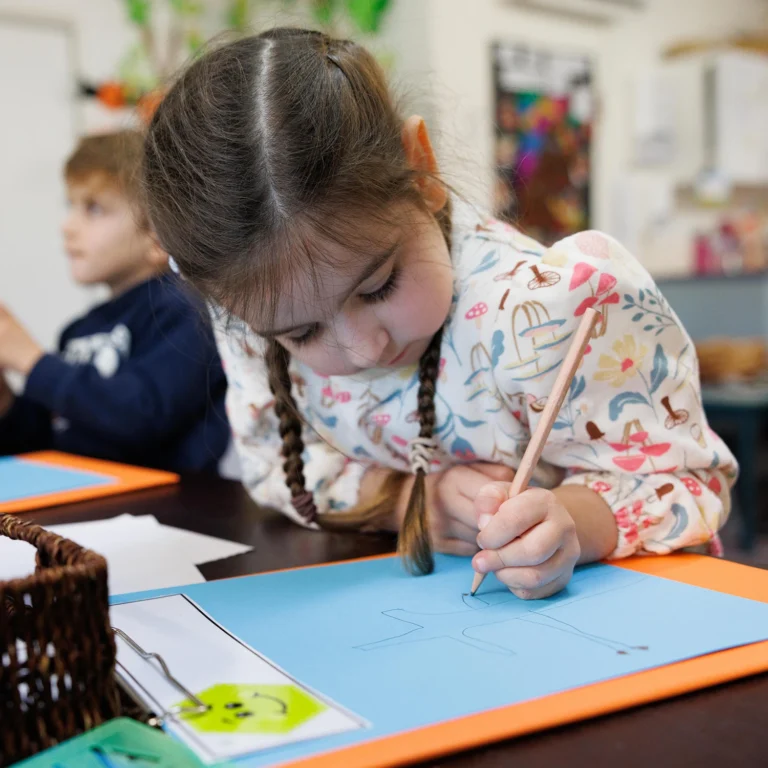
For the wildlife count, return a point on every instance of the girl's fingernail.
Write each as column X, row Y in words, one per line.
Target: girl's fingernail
column 479, row 564
column 489, row 498
column 483, row 520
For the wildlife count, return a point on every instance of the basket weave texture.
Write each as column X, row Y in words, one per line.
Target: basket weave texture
column 57, row 648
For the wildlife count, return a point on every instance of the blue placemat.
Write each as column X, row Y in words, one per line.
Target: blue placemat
column 22, row 479
column 404, row 652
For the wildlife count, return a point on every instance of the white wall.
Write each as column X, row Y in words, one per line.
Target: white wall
column 101, row 33
column 458, row 39
column 99, row 24
column 39, row 125
column 36, row 133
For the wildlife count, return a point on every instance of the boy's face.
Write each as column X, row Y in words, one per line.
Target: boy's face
column 102, row 236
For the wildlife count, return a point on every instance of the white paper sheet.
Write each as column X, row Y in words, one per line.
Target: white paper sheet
column 141, row 553
column 200, row 548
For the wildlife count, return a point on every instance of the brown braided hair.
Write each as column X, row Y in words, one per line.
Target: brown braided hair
column 247, row 162
column 414, row 544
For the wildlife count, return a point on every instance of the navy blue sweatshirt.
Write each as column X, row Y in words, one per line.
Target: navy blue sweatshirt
column 137, row 380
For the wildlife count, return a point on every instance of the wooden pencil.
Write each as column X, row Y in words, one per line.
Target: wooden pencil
column 551, row 410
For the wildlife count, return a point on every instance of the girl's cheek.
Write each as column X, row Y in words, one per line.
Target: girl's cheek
column 324, row 360
column 421, row 306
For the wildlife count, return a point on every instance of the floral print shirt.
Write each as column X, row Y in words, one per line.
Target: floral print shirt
column 632, row 427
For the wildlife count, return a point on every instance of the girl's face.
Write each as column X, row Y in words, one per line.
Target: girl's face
column 377, row 313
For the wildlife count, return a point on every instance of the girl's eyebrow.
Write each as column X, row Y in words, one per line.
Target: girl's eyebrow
column 374, row 266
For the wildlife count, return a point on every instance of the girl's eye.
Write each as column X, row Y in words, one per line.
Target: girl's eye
column 311, row 333
column 93, row 207
column 385, row 291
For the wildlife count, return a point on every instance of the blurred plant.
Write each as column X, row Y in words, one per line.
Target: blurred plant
column 147, row 65
column 366, row 15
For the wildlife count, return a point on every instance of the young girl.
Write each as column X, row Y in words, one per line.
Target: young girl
column 417, row 344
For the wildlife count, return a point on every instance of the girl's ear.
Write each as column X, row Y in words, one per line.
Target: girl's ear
column 421, row 158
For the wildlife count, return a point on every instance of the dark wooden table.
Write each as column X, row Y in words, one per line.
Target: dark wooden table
column 724, row 726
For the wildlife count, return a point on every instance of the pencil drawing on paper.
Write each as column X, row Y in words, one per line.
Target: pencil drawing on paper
column 494, row 609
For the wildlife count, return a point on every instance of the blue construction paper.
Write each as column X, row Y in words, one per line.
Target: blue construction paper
column 403, row 651
column 22, row 479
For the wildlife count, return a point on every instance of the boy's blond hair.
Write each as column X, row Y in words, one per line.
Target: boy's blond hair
column 117, row 158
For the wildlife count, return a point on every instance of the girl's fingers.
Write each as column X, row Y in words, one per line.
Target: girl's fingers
column 457, row 514
column 497, row 472
column 514, row 518
column 533, row 580
column 467, row 481
column 459, row 522
column 489, row 499
column 456, row 547
column 546, row 591
column 458, row 529
column 533, row 548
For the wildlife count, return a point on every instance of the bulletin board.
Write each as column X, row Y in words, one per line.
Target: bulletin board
column 543, row 106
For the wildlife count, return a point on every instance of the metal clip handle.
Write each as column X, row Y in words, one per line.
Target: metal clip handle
column 198, row 706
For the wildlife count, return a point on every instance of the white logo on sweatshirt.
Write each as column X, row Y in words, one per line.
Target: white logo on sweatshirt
column 105, row 351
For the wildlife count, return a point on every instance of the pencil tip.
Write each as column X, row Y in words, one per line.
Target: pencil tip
column 472, row 593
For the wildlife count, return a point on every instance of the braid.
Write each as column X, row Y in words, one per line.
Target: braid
column 290, row 430
column 290, row 426
column 414, row 543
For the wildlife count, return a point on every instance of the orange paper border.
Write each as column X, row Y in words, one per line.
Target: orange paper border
column 127, row 478
column 577, row 704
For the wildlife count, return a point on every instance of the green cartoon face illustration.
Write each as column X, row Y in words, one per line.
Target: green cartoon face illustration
column 253, row 709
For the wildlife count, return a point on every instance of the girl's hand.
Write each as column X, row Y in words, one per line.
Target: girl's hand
column 451, row 498
column 530, row 541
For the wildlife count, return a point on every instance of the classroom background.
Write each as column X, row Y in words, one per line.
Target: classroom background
column 647, row 119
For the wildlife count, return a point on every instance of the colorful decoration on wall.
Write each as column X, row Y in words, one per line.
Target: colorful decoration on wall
column 543, row 121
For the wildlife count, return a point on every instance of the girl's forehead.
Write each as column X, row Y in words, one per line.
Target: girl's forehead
column 313, row 293
column 315, row 267
column 317, row 287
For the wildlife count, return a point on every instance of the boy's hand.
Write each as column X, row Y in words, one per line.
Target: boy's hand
column 6, row 396
column 529, row 541
column 18, row 350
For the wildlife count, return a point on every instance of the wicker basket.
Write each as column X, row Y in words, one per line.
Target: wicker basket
column 57, row 649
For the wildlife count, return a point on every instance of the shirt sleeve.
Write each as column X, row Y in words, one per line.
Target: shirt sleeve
column 632, row 428
column 333, row 478
column 26, row 427
column 158, row 391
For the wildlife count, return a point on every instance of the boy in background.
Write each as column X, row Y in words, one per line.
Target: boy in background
column 137, row 379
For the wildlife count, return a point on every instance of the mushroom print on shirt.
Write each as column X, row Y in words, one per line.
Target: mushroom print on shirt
column 632, row 427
